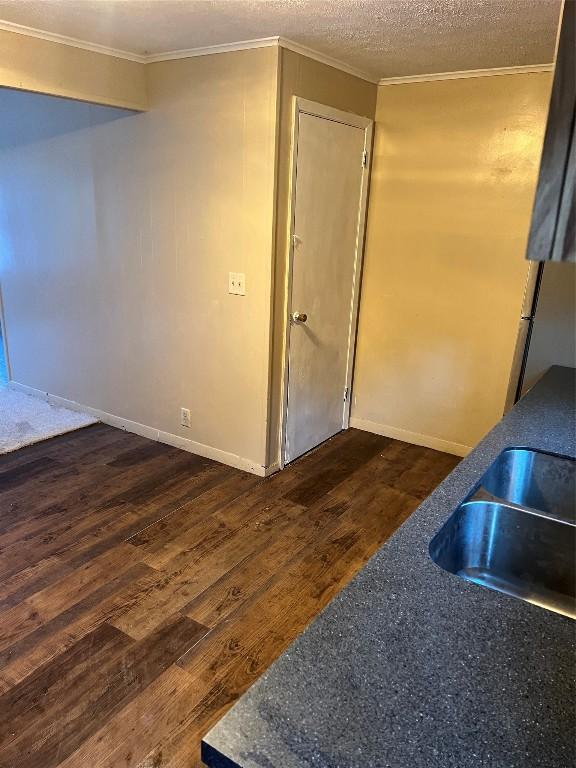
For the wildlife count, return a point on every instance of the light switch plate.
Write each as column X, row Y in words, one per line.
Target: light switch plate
column 237, row 283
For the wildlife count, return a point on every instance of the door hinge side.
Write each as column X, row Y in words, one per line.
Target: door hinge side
column 345, row 394
column 364, row 159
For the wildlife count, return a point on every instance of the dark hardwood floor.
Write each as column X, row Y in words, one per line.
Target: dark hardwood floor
column 143, row 589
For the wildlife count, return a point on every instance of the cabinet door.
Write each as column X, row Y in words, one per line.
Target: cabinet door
column 552, row 220
column 564, row 240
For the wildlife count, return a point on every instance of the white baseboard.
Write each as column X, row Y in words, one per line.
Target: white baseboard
column 428, row 441
column 207, row 451
column 271, row 469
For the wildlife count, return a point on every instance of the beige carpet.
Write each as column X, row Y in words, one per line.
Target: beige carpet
column 25, row 419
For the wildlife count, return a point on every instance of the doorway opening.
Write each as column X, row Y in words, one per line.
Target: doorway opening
column 29, row 418
column 329, row 185
column 3, row 360
column 26, row 418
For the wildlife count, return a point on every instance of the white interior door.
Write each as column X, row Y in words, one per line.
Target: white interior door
column 327, row 217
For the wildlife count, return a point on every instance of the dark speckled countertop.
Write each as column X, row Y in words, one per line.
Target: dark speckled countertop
column 412, row 667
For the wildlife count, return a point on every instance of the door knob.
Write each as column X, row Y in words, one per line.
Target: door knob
column 299, row 317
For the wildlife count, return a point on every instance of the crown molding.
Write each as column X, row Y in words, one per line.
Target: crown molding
column 324, row 59
column 189, row 53
column 264, row 42
column 242, row 45
column 466, row 73
column 52, row 37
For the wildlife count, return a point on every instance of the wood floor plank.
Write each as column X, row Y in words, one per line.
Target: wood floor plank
column 193, row 569
column 235, row 654
column 134, row 523
column 66, row 527
column 69, row 616
column 309, row 578
column 425, row 474
column 136, row 729
column 13, row 478
column 97, row 695
column 258, row 570
column 342, row 465
column 143, row 589
column 234, row 664
column 156, row 484
column 26, row 701
column 55, row 540
column 74, row 487
column 171, row 532
column 70, row 444
column 39, row 609
column 49, row 640
column 31, row 580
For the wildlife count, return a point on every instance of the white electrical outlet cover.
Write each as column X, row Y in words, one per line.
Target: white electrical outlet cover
column 237, row 283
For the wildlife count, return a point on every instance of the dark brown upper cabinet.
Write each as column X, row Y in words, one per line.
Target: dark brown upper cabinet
column 552, row 231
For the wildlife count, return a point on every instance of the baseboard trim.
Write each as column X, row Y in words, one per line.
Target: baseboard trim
column 184, row 443
column 271, row 469
column 428, row 441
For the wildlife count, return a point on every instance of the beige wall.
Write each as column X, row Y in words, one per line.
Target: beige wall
column 453, row 177
column 118, row 234
column 554, row 335
column 41, row 66
column 117, row 296
column 309, row 79
column 119, row 230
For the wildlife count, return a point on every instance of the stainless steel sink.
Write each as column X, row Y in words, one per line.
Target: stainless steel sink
column 511, row 550
column 540, row 481
column 516, row 530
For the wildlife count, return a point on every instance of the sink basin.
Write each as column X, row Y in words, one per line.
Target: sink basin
column 536, row 480
column 516, row 530
column 519, row 552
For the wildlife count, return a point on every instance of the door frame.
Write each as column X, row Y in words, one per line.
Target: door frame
column 307, row 107
column 4, row 332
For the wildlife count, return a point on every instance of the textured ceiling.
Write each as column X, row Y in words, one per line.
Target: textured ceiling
column 383, row 38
